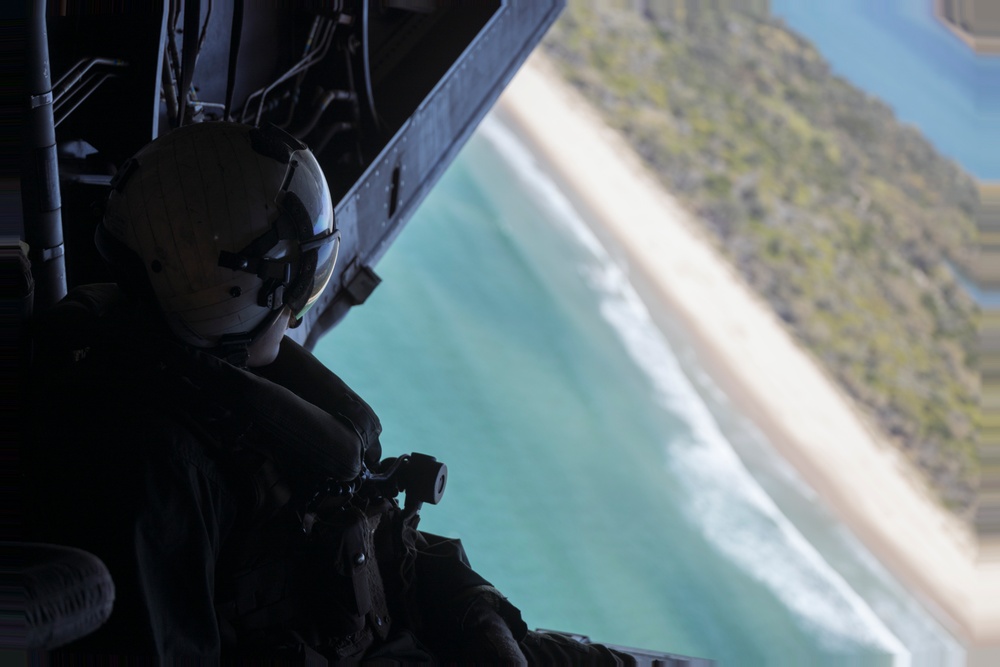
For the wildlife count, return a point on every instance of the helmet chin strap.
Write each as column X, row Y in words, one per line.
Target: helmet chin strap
column 235, row 348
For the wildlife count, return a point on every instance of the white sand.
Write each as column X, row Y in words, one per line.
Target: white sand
column 750, row 354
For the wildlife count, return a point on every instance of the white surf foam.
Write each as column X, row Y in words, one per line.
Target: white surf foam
column 724, row 500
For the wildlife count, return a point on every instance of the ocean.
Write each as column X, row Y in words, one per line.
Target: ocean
column 597, row 476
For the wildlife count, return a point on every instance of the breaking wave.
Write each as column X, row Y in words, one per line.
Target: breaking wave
column 722, row 498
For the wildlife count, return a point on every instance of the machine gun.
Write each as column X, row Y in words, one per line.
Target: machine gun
column 421, row 477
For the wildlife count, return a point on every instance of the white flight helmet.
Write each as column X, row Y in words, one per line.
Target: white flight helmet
column 231, row 223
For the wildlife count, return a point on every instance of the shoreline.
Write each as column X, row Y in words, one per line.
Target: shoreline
column 864, row 480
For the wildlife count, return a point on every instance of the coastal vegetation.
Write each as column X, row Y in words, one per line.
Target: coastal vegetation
column 846, row 221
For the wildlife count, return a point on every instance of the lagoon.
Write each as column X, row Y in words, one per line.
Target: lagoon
column 898, row 51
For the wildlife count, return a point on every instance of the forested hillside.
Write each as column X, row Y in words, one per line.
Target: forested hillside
column 838, row 215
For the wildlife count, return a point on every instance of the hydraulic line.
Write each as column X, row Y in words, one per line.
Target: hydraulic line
column 192, row 21
column 173, row 57
column 366, row 61
column 169, row 87
column 79, row 83
column 314, row 57
column 262, row 92
column 204, row 29
column 331, row 96
column 93, row 83
column 64, row 87
column 300, row 77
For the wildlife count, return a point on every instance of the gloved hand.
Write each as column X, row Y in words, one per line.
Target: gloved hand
column 486, row 638
column 373, row 454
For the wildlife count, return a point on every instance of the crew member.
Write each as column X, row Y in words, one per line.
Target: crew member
column 224, row 475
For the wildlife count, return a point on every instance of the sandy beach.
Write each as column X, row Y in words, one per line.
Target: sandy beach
column 810, row 421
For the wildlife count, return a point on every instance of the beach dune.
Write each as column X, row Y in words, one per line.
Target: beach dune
column 812, row 423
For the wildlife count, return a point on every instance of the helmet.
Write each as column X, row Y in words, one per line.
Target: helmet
column 230, row 224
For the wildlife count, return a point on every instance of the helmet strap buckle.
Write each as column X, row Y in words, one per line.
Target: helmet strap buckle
column 233, row 348
column 272, row 294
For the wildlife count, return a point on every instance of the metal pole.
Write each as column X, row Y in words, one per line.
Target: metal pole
column 40, row 197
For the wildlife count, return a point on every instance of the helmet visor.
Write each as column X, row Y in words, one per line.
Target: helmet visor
column 318, row 252
column 326, row 259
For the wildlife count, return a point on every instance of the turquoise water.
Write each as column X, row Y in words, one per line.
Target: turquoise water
column 597, row 476
column 897, row 51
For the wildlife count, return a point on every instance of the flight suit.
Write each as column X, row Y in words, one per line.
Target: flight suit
column 227, row 508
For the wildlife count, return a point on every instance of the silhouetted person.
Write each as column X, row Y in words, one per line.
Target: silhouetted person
column 223, row 474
